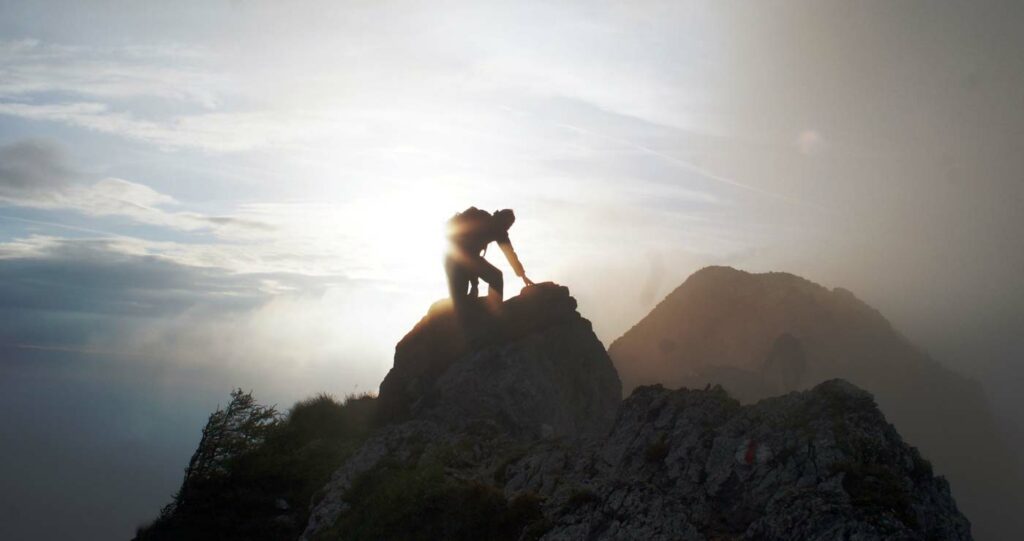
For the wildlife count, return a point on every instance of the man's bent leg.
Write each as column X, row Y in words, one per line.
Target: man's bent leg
column 457, row 279
column 479, row 267
column 495, row 283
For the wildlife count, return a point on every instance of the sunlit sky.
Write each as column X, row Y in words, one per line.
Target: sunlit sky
column 200, row 195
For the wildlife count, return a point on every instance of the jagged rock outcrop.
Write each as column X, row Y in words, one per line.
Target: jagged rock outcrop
column 521, row 409
column 822, row 464
column 535, row 366
column 534, row 369
column 760, row 335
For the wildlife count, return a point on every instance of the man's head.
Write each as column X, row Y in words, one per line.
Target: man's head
column 505, row 218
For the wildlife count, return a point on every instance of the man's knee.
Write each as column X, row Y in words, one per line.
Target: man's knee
column 495, row 280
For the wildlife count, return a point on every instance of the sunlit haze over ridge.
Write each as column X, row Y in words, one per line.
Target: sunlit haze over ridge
column 201, row 195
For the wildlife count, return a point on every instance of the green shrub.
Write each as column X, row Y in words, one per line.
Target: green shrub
column 323, row 417
column 421, row 503
column 251, row 460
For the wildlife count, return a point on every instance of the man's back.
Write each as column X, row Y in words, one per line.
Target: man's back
column 473, row 229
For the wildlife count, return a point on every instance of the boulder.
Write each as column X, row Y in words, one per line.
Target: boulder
column 533, row 366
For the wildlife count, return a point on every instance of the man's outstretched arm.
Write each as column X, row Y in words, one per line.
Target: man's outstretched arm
column 510, row 255
column 513, row 259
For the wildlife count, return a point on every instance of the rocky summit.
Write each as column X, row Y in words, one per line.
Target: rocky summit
column 534, row 366
column 509, row 425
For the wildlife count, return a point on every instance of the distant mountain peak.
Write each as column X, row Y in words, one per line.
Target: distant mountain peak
column 765, row 334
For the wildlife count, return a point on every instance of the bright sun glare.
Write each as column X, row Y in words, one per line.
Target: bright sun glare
column 404, row 233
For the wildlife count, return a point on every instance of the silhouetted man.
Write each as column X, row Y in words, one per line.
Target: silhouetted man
column 469, row 233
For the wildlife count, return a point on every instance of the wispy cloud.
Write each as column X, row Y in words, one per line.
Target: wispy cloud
column 35, row 174
column 214, row 132
column 169, row 96
column 113, row 296
column 170, row 72
column 694, row 168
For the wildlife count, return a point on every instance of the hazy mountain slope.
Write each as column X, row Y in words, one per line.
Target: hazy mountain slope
column 764, row 334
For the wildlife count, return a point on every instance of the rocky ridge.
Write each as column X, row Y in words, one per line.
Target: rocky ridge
column 524, row 406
